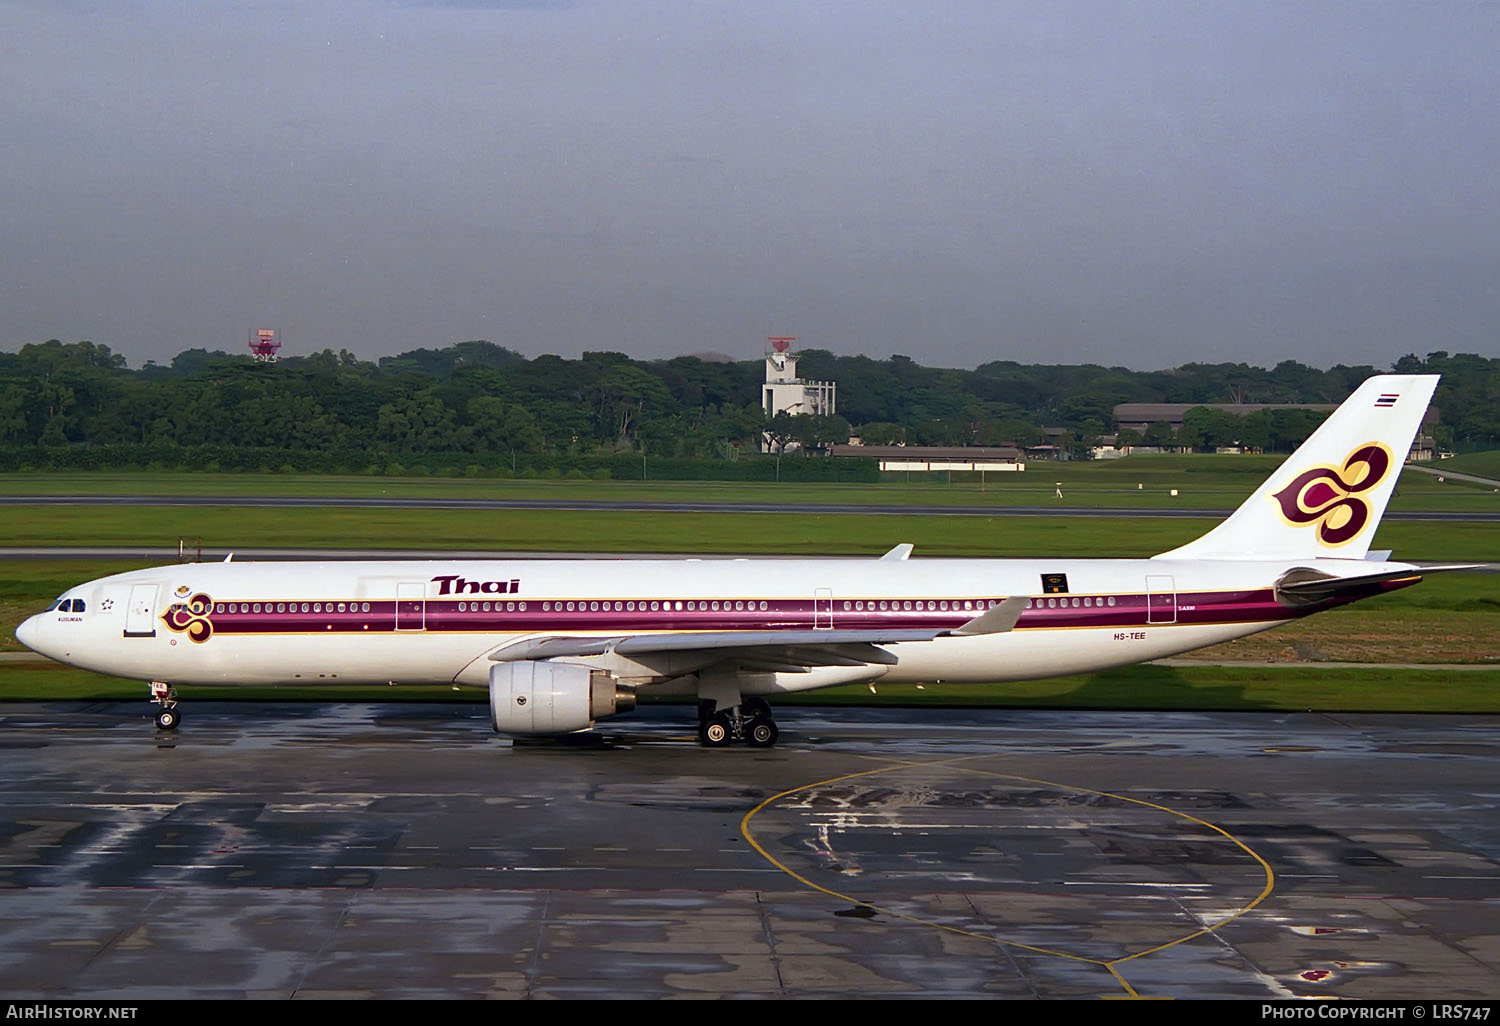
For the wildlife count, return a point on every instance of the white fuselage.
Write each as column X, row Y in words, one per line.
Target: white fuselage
column 439, row 622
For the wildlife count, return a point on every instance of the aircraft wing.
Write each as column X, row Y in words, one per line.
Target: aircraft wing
column 826, row 647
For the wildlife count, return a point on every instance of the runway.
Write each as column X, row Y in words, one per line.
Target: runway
column 707, row 506
column 400, row 850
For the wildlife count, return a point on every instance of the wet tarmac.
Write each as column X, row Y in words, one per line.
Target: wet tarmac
column 400, row 850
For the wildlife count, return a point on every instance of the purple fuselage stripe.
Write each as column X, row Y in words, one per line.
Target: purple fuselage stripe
column 443, row 615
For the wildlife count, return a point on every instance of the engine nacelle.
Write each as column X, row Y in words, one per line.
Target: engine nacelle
column 529, row 697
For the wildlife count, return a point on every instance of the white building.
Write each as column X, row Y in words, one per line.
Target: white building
column 787, row 393
column 784, row 392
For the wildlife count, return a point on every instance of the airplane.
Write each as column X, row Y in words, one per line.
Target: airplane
column 560, row 644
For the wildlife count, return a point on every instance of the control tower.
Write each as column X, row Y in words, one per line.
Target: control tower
column 784, row 392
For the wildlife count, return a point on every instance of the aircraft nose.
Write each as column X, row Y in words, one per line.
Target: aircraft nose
column 29, row 633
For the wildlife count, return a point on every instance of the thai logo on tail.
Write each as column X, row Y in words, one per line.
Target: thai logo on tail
column 1329, row 496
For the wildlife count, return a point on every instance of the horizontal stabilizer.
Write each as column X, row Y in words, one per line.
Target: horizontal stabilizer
column 1302, row 585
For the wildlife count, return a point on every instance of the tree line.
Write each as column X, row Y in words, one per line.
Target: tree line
column 477, row 407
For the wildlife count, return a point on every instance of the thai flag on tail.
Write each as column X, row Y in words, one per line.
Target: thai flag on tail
column 1388, row 399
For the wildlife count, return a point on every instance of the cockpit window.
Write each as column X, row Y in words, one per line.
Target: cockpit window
column 78, row 605
column 56, row 604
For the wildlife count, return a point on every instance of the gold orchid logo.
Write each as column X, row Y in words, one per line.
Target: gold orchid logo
column 1329, row 496
column 191, row 617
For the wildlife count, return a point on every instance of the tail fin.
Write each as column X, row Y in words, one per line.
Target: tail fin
column 1328, row 497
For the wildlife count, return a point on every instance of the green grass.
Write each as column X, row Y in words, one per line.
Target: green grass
column 1137, row 482
column 1206, row 688
column 582, row 530
column 1480, row 464
column 598, row 531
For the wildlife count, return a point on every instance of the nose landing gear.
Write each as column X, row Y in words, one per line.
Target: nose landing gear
column 165, row 695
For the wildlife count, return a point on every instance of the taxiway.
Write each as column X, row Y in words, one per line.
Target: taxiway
column 400, row 850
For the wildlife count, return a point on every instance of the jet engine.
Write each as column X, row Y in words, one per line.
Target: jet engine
column 530, row 697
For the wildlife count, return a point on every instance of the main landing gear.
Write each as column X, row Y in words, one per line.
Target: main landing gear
column 750, row 721
column 165, row 695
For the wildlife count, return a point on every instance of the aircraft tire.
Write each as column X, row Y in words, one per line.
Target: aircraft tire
column 718, row 732
column 762, row 734
column 167, row 719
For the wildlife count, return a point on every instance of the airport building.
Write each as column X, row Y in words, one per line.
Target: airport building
column 937, row 457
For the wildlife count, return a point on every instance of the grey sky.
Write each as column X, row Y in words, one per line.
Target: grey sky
column 1142, row 183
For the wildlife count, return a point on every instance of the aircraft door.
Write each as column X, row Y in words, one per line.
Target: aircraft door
column 823, row 609
column 140, row 614
column 411, row 605
column 1161, row 598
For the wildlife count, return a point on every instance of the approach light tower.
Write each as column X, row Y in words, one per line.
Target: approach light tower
column 264, row 342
